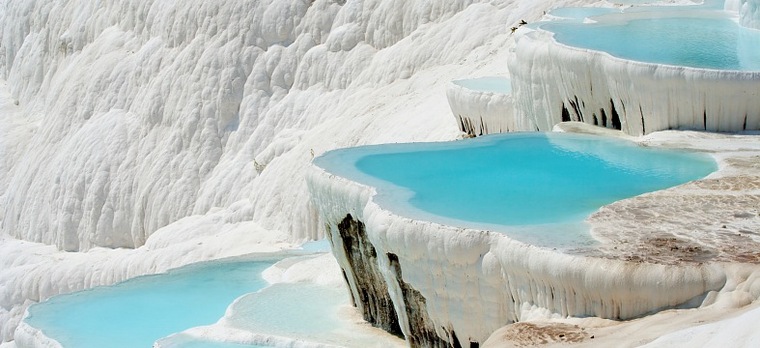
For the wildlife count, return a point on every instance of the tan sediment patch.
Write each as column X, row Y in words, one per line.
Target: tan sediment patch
column 670, row 228
column 732, row 183
column 527, row 334
column 714, row 219
column 751, row 162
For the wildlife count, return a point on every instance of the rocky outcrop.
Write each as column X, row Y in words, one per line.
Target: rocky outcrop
column 371, row 294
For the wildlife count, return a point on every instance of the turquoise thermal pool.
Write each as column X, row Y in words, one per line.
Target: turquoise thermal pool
column 536, row 187
column 681, row 38
column 137, row 312
column 490, row 84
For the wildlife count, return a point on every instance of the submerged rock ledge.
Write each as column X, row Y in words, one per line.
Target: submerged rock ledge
column 462, row 284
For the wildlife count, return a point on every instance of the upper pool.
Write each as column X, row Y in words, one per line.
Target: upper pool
column 489, row 84
column 516, row 183
column 697, row 39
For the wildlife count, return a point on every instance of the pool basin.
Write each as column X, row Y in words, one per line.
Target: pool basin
column 535, row 187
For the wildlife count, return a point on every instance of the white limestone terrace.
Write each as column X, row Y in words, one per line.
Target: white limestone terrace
column 555, row 82
column 449, row 284
column 141, row 135
column 482, row 105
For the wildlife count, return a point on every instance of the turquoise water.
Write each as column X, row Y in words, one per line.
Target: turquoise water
column 139, row 311
column 517, row 179
column 490, row 84
column 709, row 42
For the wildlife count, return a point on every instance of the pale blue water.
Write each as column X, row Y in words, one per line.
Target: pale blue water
column 290, row 314
column 709, row 42
column 318, row 246
column 582, row 12
column 518, row 179
column 139, row 311
column 281, row 310
column 491, row 84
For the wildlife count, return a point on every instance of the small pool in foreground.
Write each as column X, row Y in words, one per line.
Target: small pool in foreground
column 536, row 187
column 139, row 311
